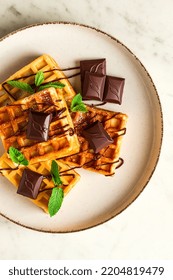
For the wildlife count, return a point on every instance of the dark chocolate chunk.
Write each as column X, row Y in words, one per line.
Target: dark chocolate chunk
column 30, row 183
column 93, row 86
column 113, row 89
column 94, row 66
column 38, row 126
column 97, row 136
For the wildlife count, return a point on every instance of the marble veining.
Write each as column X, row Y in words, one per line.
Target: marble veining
column 14, row 11
column 145, row 229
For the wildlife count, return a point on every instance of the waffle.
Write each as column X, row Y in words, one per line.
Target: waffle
column 69, row 178
column 13, row 122
column 108, row 159
column 43, row 63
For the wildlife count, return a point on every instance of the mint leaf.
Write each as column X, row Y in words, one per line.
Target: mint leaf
column 17, row 157
column 77, row 104
column 77, row 99
column 79, row 108
column 39, row 78
column 21, row 85
column 55, row 200
column 51, row 84
column 57, row 195
column 55, row 174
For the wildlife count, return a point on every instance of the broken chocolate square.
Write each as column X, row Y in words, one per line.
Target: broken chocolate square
column 93, row 86
column 30, row 183
column 113, row 89
column 97, row 136
column 38, row 126
column 92, row 65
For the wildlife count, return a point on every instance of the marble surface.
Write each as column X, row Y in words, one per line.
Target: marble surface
column 145, row 229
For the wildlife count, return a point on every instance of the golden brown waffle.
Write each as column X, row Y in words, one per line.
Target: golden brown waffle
column 13, row 123
column 69, row 178
column 43, row 63
column 108, row 159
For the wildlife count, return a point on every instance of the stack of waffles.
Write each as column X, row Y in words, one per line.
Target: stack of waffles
column 65, row 143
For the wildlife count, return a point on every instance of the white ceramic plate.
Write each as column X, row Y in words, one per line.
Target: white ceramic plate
column 95, row 199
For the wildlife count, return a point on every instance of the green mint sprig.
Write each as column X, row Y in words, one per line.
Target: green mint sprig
column 57, row 195
column 52, row 84
column 17, row 157
column 55, row 174
column 77, row 104
column 21, row 85
column 39, row 79
column 55, row 201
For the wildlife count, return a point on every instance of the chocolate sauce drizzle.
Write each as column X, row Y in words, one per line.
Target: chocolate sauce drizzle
column 47, row 71
column 98, row 156
column 97, row 105
column 82, row 125
column 56, row 116
column 8, row 168
column 49, row 177
column 71, row 131
column 7, row 91
column 120, row 162
column 88, row 121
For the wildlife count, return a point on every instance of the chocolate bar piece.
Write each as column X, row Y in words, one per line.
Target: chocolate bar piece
column 30, row 183
column 97, row 136
column 113, row 89
column 94, row 66
column 93, row 86
column 38, row 126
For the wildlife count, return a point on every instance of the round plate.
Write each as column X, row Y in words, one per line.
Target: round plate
column 96, row 198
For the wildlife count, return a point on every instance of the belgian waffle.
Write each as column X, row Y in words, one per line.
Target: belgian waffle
column 13, row 122
column 69, row 178
column 43, row 63
column 108, row 159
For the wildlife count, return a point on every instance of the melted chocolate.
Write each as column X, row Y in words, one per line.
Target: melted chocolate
column 58, row 113
column 97, row 156
column 8, row 168
column 48, row 103
column 108, row 96
column 69, row 131
column 92, row 89
column 30, row 183
column 89, row 163
column 123, row 130
column 48, row 71
column 9, row 93
column 34, row 86
column 99, row 104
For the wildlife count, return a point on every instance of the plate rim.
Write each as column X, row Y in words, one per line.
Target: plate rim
column 161, row 122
